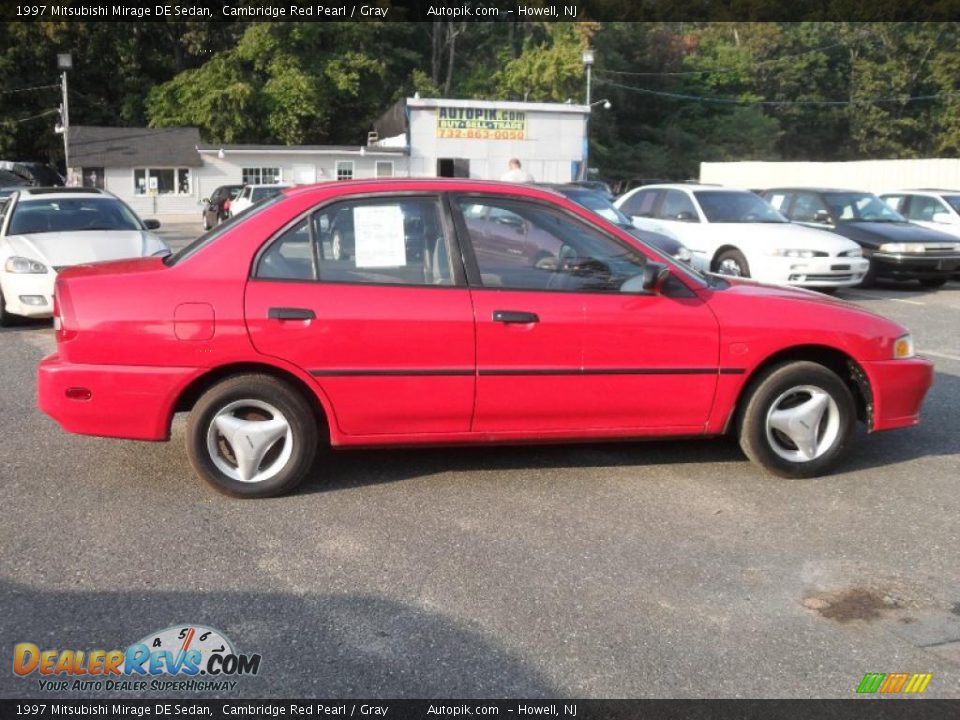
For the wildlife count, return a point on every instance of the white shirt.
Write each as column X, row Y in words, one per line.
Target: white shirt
column 517, row 175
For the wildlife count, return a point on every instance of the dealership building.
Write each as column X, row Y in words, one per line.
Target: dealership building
column 169, row 171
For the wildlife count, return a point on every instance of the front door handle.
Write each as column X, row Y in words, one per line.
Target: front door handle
column 515, row 316
column 288, row 313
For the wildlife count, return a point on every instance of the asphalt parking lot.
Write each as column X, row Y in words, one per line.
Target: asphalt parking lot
column 663, row 569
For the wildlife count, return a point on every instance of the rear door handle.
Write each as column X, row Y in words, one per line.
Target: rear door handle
column 515, row 316
column 286, row 313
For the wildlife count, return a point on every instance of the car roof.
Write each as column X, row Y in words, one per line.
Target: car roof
column 688, row 186
column 60, row 191
column 928, row 191
column 796, row 188
column 436, row 184
column 260, row 185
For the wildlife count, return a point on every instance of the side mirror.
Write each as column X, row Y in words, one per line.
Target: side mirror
column 822, row 216
column 651, row 280
column 654, row 276
column 206, row 200
column 686, row 216
column 151, row 224
column 945, row 218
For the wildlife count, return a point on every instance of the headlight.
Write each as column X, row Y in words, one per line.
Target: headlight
column 24, row 265
column 902, row 248
column 161, row 253
column 903, row 347
column 797, row 253
column 858, row 252
column 683, row 254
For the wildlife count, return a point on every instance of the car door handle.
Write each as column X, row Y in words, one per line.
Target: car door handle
column 515, row 316
column 286, row 313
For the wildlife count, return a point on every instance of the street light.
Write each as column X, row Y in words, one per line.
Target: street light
column 64, row 63
column 587, row 58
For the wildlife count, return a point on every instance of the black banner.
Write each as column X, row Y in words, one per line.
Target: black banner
column 477, row 10
column 865, row 709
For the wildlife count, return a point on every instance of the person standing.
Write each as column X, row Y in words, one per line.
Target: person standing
column 516, row 173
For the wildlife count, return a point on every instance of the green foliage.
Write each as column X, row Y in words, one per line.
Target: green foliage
column 293, row 83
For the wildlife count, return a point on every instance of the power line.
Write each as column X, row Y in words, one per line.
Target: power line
column 27, row 89
column 777, row 103
column 39, row 115
column 759, row 63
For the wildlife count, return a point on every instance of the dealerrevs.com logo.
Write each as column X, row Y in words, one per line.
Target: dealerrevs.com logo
column 178, row 658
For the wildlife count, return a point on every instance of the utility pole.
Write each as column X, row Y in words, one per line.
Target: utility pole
column 587, row 58
column 64, row 63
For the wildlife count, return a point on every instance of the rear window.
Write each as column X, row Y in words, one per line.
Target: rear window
column 211, row 235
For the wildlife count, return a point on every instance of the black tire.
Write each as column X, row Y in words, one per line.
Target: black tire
column 206, row 223
column 6, row 319
column 933, row 283
column 869, row 278
column 737, row 257
column 303, row 434
column 774, row 387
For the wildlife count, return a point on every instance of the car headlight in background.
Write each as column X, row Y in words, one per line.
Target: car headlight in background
column 24, row 265
column 797, row 253
column 903, row 347
column 856, row 252
column 161, row 253
column 683, row 254
column 902, row 248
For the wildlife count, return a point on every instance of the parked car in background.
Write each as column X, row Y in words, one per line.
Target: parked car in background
column 252, row 194
column 11, row 182
column 933, row 209
column 609, row 212
column 896, row 248
column 735, row 232
column 598, row 186
column 215, row 207
column 35, row 173
column 45, row 230
column 473, row 340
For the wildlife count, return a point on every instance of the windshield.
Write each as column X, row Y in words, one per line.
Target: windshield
column 860, row 207
column 953, row 201
column 601, row 206
column 71, row 215
column 218, row 230
column 736, row 207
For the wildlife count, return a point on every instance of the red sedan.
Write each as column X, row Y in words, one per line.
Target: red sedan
column 463, row 312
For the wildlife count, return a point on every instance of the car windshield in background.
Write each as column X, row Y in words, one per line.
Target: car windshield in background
column 954, row 201
column 861, row 207
column 264, row 193
column 71, row 215
column 600, row 205
column 736, row 207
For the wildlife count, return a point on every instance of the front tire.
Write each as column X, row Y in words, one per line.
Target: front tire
column 252, row 436
column 797, row 420
column 6, row 319
column 732, row 263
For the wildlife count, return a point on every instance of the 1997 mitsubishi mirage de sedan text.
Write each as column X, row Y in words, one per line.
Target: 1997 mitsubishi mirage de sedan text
column 446, row 323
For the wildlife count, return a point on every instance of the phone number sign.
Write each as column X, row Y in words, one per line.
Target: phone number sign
column 481, row 123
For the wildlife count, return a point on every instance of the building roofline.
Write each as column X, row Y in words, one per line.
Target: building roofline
column 360, row 150
column 499, row 105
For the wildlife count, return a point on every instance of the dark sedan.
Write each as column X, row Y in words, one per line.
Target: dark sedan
column 214, row 210
column 897, row 248
column 595, row 202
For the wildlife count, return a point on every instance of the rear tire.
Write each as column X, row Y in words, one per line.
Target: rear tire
column 797, row 420
column 252, row 436
column 732, row 263
column 206, row 223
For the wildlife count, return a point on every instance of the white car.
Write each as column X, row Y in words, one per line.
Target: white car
column 252, row 194
column 736, row 232
column 934, row 209
column 44, row 230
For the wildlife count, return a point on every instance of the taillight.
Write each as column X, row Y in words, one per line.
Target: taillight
column 64, row 320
